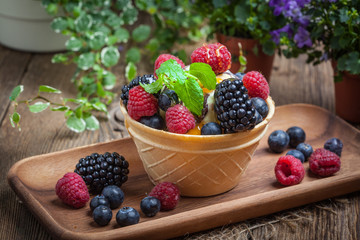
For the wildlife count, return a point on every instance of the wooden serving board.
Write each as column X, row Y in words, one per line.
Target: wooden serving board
column 258, row 193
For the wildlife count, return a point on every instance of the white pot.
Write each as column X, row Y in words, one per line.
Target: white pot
column 25, row 25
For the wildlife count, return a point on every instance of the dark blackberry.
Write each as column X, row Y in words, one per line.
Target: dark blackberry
column 101, row 170
column 234, row 109
column 145, row 79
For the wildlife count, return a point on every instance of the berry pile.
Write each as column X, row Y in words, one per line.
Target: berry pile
column 323, row 162
column 225, row 104
column 101, row 170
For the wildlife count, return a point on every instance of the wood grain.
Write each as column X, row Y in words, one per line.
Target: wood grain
column 257, row 193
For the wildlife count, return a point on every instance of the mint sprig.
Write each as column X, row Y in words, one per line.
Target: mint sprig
column 184, row 83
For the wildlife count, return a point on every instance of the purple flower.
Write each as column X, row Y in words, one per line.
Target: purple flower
column 302, row 38
column 302, row 3
column 278, row 5
column 276, row 33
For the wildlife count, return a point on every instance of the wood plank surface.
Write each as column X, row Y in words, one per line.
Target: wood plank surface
column 292, row 81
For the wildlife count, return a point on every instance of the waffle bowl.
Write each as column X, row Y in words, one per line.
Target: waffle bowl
column 199, row 165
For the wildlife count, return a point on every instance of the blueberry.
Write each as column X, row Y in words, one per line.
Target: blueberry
column 127, row 216
column 167, row 98
column 99, row 200
column 297, row 135
column 114, row 194
column 299, row 155
column 240, row 75
column 259, row 118
column 211, row 128
column 102, row 215
column 261, row 106
column 334, row 145
column 278, row 141
column 150, row 206
column 155, row 121
column 306, row 149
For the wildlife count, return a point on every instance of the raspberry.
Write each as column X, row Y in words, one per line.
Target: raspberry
column 289, row 170
column 256, row 85
column 216, row 55
column 141, row 103
column 324, row 163
column 163, row 58
column 145, row 79
column 72, row 190
column 167, row 193
column 179, row 119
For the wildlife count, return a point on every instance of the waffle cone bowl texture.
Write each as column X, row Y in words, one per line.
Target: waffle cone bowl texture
column 200, row 165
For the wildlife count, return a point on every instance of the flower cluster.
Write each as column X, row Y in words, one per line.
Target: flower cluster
column 322, row 29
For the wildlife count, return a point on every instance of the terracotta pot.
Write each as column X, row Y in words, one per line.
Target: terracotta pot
column 255, row 62
column 347, row 97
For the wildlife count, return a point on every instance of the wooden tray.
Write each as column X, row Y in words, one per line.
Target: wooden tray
column 33, row 179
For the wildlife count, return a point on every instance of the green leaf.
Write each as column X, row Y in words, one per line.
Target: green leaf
column 111, row 40
column 76, row 124
column 44, row 88
column 52, row 9
column 130, row 71
column 97, row 40
column 141, row 33
column 92, row 123
column 100, row 90
column 353, row 63
column 191, row 94
column 204, row 73
column 109, row 80
column 87, row 80
column 219, row 3
column 153, row 87
column 133, row 55
column 110, row 56
column 86, row 60
column 122, row 35
column 172, row 71
column 38, row 107
column 83, row 22
column 59, row 24
column 60, row 108
column 242, row 12
column 16, row 92
column 59, row 58
column 74, row 44
column 100, row 106
column 129, row 15
column 14, row 119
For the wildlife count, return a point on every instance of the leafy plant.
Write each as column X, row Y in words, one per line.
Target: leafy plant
column 321, row 29
column 100, row 33
column 246, row 19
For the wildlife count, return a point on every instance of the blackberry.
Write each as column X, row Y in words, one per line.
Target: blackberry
column 145, row 79
column 101, row 170
column 234, row 109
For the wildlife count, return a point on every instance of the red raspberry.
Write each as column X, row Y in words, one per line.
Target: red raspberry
column 141, row 103
column 163, row 58
column 256, row 85
column 179, row 119
column 289, row 170
column 167, row 193
column 324, row 163
column 216, row 55
column 72, row 190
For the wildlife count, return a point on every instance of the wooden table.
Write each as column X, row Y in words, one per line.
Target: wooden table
column 292, row 81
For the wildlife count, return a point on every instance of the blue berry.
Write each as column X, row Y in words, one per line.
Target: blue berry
column 297, row 154
column 211, row 128
column 99, row 200
column 155, row 121
column 306, row 149
column 334, row 145
column 167, row 99
column 127, row 216
column 259, row 118
column 278, row 141
column 114, row 194
column 260, row 106
column 150, row 206
column 297, row 135
column 102, row 215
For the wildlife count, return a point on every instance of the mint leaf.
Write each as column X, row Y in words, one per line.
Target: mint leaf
column 76, row 124
column 172, row 71
column 14, row 119
column 38, row 107
column 60, row 108
column 130, row 71
column 16, row 92
column 204, row 73
column 191, row 94
column 153, row 87
column 44, row 88
column 92, row 123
